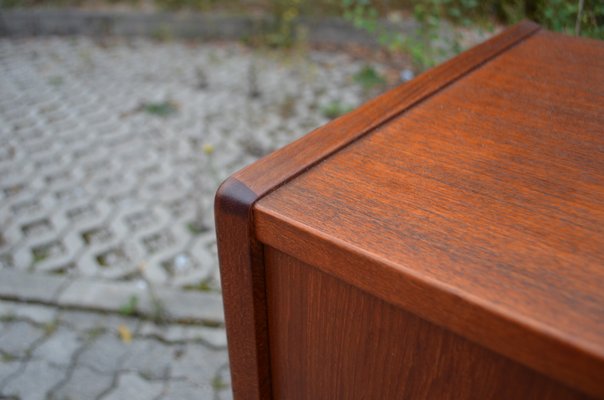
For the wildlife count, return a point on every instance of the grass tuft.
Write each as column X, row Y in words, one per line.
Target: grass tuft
column 129, row 308
column 161, row 109
column 369, row 78
column 335, row 109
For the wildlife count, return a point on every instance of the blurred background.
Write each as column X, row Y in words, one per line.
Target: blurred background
column 118, row 121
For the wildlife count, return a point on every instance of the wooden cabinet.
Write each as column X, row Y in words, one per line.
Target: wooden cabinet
column 443, row 241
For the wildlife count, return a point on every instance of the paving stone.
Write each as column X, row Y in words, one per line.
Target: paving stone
column 222, row 383
column 86, row 152
column 109, row 296
column 32, row 312
column 184, row 390
column 215, row 337
column 191, row 305
column 82, row 321
column 104, row 355
column 59, row 347
column 35, row 381
column 198, row 364
column 225, row 395
column 8, row 369
column 84, row 383
column 18, row 337
column 224, row 376
column 112, row 296
column 22, row 285
column 98, row 193
column 133, row 386
column 151, row 358
column 113, row 322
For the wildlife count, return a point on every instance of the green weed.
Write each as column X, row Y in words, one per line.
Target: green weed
column 369, row 78
column 130, row 307
column 204, row 285
column 219, row 384
column 335, row 109
column 161, row 109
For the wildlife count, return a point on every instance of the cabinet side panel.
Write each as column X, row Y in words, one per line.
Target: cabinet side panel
column 330, row 340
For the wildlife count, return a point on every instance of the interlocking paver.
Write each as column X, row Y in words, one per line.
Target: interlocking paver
column 84, row 383
column 198, row 364
column 133, row 386
column 22, row 285
column 184, row 390
column 18, row 338
column 105, row 354
column 150, row 358
column 100, row 295
column 83, row 144
column 35, row 381
column 191, row 305
column 177, row 305
column 224, row 378
column 110, row 154
column 59, row 348
column 31, row 312
column 9, row 368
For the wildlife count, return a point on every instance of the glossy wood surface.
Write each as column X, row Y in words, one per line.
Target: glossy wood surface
column 480, row 209
column 240, row 253
column 279, row 167
column 330, row 340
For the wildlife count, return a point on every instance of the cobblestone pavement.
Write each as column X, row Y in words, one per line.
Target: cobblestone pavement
column 110, row 154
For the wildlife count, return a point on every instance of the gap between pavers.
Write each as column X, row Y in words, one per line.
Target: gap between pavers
column 81, row 293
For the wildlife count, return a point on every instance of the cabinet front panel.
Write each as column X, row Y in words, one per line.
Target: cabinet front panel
column 330, row 340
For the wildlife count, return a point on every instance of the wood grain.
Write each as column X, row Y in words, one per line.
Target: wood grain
column 330, row 340
column 240, row 254
column 279, row 167
column 480, row 209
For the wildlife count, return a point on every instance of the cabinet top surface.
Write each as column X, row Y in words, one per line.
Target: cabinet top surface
column 493, row 187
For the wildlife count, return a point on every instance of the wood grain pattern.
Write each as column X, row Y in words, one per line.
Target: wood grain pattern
column 330, row 340
column 295, row 158
column 481, row 209
column 240, row 254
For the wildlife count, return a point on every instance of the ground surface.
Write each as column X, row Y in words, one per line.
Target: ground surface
column 110, row 154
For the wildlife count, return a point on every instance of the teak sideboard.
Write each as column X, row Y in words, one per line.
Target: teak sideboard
column 443, row 241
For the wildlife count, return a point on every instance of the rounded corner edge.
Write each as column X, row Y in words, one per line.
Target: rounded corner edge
column 233, row 197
